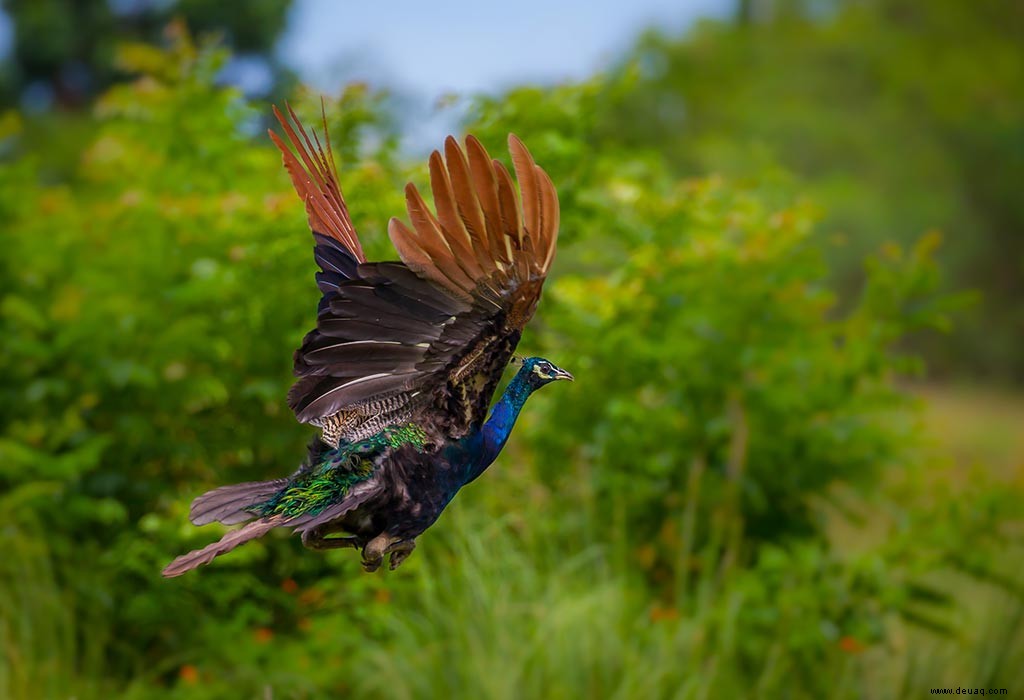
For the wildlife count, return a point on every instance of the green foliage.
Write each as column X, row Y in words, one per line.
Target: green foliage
column 150, row 308
column 70, row 46
column 898, row 117
column 699, row 312
column 654, row 529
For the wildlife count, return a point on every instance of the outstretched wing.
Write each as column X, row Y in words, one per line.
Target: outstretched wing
column 428, row 336
column 316, row 181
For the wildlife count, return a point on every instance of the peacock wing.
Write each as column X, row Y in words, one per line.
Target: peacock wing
column 427, row 337
column 503, row 243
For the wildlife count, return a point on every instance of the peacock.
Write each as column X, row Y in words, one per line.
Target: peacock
column 406, row 356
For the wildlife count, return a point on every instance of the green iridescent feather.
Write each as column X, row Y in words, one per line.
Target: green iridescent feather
column 339, row 470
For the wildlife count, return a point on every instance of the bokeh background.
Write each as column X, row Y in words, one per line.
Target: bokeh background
column 789, row 284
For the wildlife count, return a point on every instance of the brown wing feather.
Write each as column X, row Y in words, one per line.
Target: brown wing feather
column 485, row 180
column 432, row 240
column 411, row 251
column 468, row 204
column 455, row 232
column 550, row 217
column 316, row 182
column 527, row 177
column 512, row 220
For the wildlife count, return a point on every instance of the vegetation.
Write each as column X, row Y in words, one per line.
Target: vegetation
column 896, row 116
column 64, row 51
column 734, row 498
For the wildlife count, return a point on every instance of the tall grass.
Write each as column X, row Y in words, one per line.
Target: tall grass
column 494, row 613
column 47, row 650
column 490, row 609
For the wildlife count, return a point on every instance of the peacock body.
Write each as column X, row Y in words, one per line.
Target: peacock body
column 405, row 357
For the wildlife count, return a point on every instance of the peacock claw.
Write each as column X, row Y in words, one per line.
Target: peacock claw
column 400, row 551
column 382, row 545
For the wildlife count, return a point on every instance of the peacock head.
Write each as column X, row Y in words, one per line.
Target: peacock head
column 536, row 372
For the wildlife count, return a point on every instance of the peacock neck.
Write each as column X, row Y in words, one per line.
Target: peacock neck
column 498, row 427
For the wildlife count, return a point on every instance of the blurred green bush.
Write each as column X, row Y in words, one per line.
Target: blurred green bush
column 649, row 532
column 897, row 116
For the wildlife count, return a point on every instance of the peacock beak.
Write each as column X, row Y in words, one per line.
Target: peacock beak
column 562, row 374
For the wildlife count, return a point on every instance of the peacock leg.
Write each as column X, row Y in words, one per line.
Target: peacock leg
column 373, row 552
column 400, row 551
column 317, row 538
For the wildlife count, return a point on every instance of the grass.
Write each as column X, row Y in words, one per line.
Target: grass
column 976, row 426
column 504, row 618
column 492, row 609
column 45, row 652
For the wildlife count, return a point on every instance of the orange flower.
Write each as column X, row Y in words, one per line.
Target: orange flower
column 311, row 596
column 851, row 645
column 263, row 635
column 646, row 555
column 659, row 614
column 188, row 674
column 289, row 585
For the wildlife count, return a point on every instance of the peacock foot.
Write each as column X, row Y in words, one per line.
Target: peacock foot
column 400, row 551
column 382, row 545
column 317, row 539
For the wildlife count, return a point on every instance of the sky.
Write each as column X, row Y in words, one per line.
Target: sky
column 440, row 46
column 461, row 45
column 423, row 50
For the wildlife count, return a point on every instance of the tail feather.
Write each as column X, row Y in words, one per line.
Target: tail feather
column 198, row 557
column 228, row 504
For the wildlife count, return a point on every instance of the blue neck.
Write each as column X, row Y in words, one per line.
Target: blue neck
column 499, row 426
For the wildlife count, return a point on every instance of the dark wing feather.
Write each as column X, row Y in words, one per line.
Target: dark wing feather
column 428, row 336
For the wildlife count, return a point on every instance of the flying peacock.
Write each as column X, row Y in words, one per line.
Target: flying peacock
column 406, row 356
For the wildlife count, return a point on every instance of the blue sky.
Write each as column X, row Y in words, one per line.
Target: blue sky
column 461, row 46
column 425, row 50
column 438, row 47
